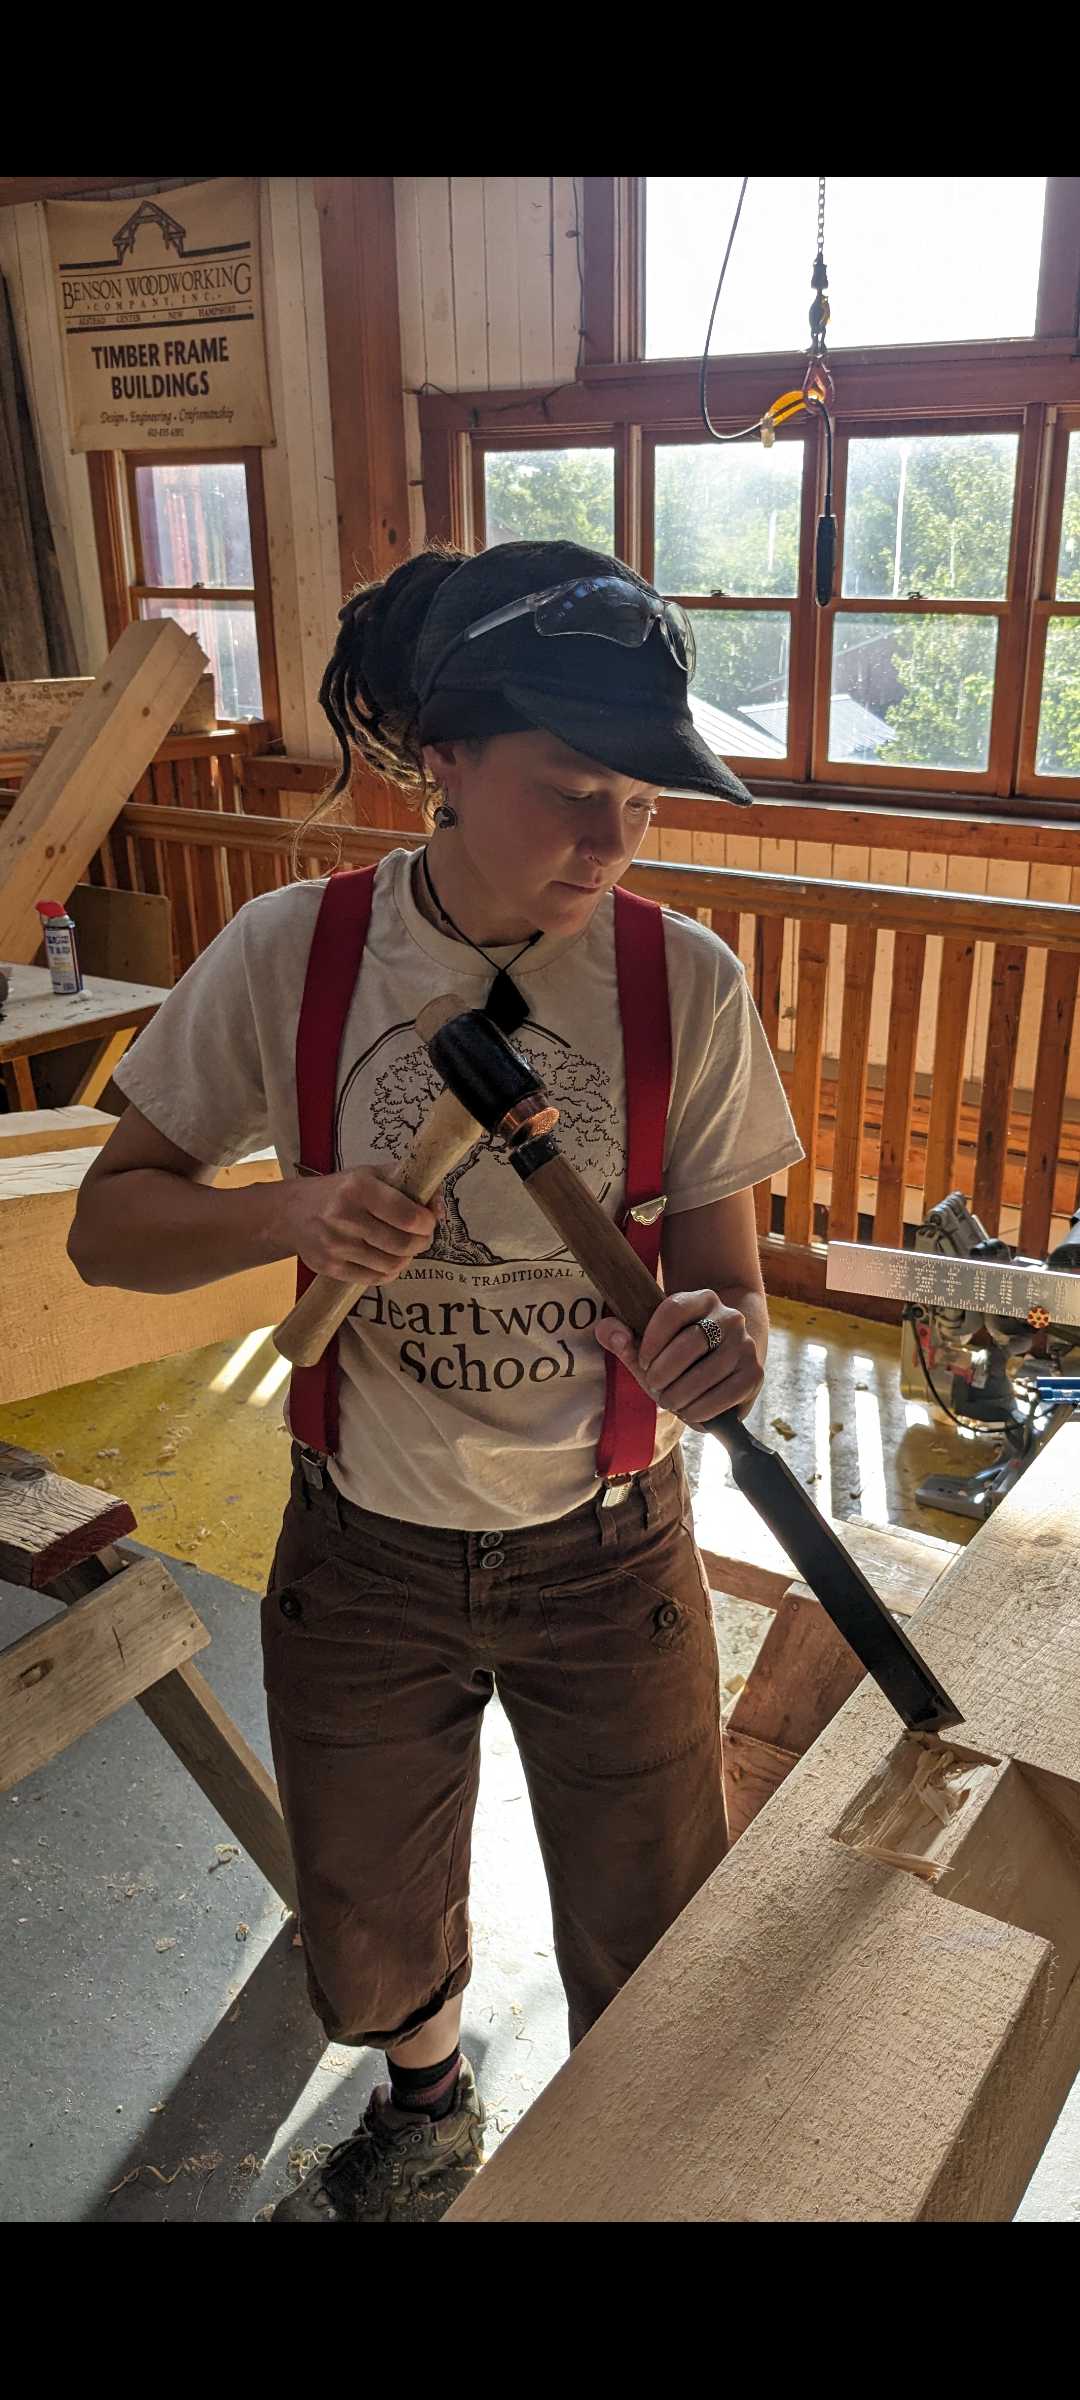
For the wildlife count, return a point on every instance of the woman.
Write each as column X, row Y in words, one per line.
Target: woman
column 488, row 1478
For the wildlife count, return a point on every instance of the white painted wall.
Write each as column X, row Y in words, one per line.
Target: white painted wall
column 489, row 279
column 298, row 471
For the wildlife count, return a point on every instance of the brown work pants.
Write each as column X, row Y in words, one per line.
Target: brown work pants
column 383, row 1643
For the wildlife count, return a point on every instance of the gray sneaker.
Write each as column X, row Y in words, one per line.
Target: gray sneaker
column 376, row 2176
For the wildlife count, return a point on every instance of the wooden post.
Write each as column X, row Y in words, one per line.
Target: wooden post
column 806, row 1075
column 1048, row 1101
column 954, row 996
column 859, row 956
column 768, row 962
column 909, row 954
column 999, row 1069
column 226, row 1768
column 363, row 352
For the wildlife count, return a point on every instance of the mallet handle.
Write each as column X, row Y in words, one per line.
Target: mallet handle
column 449, row 1132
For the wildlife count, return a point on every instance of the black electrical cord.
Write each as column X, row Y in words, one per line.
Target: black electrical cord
column 967, row 1424
column 703, row 403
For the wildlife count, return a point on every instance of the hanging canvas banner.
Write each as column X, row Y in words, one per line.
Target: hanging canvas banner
column 160, row 307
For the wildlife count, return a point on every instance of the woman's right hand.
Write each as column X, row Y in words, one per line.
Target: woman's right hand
column 355, row 1226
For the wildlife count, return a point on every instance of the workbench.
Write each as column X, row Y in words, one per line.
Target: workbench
column 853, row 2023
column 36, row 1019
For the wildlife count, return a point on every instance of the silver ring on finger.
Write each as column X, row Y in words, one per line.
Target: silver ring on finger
column 711, row 1331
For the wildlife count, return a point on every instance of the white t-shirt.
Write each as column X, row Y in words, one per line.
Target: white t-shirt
column 472, row 1387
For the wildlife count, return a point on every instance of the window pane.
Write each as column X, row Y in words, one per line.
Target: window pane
column 929, row 518
column 226, row 630
column 913, row 691
column 550, row 496
column 194, row 523
column 919, row 258
column 727, row 520
column 1058, row 751
column 739, row 698
column 1068, row 574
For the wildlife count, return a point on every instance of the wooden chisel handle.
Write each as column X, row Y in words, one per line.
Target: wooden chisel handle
column 597, row 1244
column 450, row 1131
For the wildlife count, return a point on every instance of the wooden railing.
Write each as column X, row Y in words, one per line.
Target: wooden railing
column 792, row 932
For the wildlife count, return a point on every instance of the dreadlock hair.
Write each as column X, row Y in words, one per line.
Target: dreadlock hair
column 366, row 692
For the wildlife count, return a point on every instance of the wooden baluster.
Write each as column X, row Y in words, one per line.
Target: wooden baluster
column 725, row 922
column 950, row 1039
column 999, row 1069
column 206, row 791
column 806, row 1074
column 859, row 955
column 178, row 881
column 909, row 958
column 1048, row 1100
column 768, row 962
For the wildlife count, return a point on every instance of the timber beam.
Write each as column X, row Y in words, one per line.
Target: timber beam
column 871, row 2011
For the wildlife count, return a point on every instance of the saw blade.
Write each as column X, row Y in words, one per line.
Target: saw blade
column 933, row 1281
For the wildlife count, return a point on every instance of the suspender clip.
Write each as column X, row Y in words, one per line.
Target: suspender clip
column 646, row 1212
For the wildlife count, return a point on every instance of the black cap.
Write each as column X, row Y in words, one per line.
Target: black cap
column 627, row 708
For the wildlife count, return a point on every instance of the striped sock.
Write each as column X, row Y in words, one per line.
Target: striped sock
column 426, row 2091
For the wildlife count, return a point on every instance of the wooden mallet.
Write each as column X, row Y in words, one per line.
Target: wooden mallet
column 473, row 1058
column 448, row 1133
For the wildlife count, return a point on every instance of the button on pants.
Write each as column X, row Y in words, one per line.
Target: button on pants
column 383, row 1643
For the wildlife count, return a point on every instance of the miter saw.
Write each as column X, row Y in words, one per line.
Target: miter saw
column 989, row 1338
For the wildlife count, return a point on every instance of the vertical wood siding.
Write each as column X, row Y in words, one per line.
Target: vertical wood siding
column 488, row 275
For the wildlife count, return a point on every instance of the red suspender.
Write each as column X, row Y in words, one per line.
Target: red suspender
column 628, row 1432
column 333, row 965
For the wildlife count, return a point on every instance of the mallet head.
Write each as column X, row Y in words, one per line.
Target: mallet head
column 490, row 1078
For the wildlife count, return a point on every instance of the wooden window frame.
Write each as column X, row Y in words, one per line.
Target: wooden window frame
column 796, row 605
column 1059, row 424
column 119, row 546
column 620, row 399
column 1009, row 613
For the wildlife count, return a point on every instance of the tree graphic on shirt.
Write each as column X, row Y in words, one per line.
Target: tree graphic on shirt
column 405, row 1092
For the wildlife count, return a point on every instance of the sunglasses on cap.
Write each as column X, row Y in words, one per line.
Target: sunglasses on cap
column 609, row 607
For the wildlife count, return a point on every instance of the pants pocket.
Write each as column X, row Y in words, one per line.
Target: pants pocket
column 640, row 1674
column 330, row 1638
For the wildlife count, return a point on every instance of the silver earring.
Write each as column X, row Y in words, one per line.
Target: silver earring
column 445, row 816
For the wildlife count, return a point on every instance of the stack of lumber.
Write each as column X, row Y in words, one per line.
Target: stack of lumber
column 55, row 1329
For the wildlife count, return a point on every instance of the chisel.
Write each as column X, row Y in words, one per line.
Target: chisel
column 490, row 1079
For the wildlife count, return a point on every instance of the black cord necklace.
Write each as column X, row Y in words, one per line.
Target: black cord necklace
column 505, row 1005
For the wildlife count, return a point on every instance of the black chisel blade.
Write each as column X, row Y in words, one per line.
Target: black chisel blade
column 845, row 1595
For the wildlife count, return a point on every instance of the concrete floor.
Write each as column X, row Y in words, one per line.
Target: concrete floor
column 161, row 2061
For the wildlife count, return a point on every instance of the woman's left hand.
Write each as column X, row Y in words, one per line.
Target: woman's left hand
column 674, row 1364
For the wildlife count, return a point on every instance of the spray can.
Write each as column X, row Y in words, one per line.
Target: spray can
column 61, row 948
